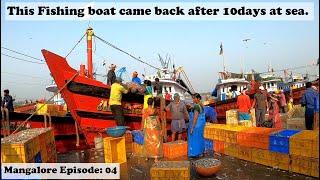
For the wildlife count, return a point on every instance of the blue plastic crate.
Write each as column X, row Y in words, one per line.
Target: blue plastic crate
column 279, row 141
column 138, row 137
column 208, row 145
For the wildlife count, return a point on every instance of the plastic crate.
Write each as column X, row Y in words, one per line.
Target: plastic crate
column 245, row 153
column 256, row 137
column 296, row 123
column 305, row 143
column 114, row 150
column 208, row 145
column 262, row 156
column 232, row 117
column 280, row 160
column 230, row 133
column 138, row 136
column 279, row 142
column 231, row 149
column 304, row 165
column 175, row 149
column 137, row 149
column 21, row 147
column 218, row 146
column 170, row 170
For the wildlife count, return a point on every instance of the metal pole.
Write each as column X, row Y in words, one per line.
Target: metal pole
column 89, row 52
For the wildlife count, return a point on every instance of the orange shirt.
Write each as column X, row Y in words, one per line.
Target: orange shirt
column 243, row 103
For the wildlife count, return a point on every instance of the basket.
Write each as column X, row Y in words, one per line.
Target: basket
column 117, row 131
column 207, row 171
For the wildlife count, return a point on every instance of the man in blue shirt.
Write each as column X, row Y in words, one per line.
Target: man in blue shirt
column 135, row 78
column 308, row 100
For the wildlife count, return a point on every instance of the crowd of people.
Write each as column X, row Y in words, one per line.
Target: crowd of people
column 185, row 117
column 275, row 103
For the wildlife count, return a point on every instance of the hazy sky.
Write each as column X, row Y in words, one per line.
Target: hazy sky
column 192, row 44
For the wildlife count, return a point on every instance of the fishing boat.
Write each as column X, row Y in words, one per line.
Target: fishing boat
column 87, row 98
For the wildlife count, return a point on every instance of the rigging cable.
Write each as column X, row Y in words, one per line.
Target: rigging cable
column 22, row 54
column 21, row 59
column 115, row 47
column 75, row 45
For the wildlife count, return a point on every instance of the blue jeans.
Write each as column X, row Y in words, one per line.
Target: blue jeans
column 309, row 114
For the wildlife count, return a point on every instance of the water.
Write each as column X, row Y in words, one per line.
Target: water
column 139, row 168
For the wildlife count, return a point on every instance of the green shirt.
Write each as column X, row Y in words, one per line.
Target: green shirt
column 198, row 108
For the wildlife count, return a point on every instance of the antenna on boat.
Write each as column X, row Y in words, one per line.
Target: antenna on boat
column 89, row 34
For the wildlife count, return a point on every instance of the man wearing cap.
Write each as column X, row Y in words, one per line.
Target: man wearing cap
column 135, row 78
column 111, row 76
column 117, row 89
column 244, row 104
column 179, row 114
column 260, row 104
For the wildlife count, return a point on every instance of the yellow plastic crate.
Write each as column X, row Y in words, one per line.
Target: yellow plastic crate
column 280, row 160
column 232, row 117
column 170, row 170
column 262, row 156
column 43, row 110
column 231, row 149
column 19, row 152
column 304, row 165
column 305, row 143
column 114, row 150
column 137, row 149
column 245, row 153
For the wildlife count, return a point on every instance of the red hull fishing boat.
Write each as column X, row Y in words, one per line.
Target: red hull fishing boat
column 87, row 98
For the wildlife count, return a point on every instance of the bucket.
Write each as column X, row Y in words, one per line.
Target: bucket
column 98, row 142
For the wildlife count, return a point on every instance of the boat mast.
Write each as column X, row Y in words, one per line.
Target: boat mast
column 89, row 51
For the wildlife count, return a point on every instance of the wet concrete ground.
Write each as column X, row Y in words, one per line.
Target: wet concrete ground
column 232, row 168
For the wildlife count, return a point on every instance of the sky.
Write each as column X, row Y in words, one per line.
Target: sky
column 191, row 44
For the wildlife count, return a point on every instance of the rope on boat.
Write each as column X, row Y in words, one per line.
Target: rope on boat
column 75, row 46
column 77, row 133
column 20, row 59
column 115, row 47
column 22, row 54
column 45, row 103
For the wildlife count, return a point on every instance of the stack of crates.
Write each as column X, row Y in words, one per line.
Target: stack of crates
column 218, row 146
column 29, row 146
column 170, row 170
column 114, row 150
column 255, row 137
column 304, row 151
column 232, row 117
column 175, row 149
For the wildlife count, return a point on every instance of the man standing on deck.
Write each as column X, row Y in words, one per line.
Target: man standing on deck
column 111, row 76
column 308, row 100
column 117, row 89
column 158, row 87
column 179, row 114
column 260, row 104
column 135, row 78
column 243, row 103
column 7, row 101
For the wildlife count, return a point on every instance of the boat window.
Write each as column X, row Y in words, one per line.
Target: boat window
column 272, row 84
column 169, row 88
column 95, row 91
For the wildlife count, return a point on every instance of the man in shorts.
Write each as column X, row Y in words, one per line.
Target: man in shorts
column 179, row 114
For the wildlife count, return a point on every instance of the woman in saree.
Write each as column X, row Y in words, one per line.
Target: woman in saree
column 152, row 132
column 196, row 128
